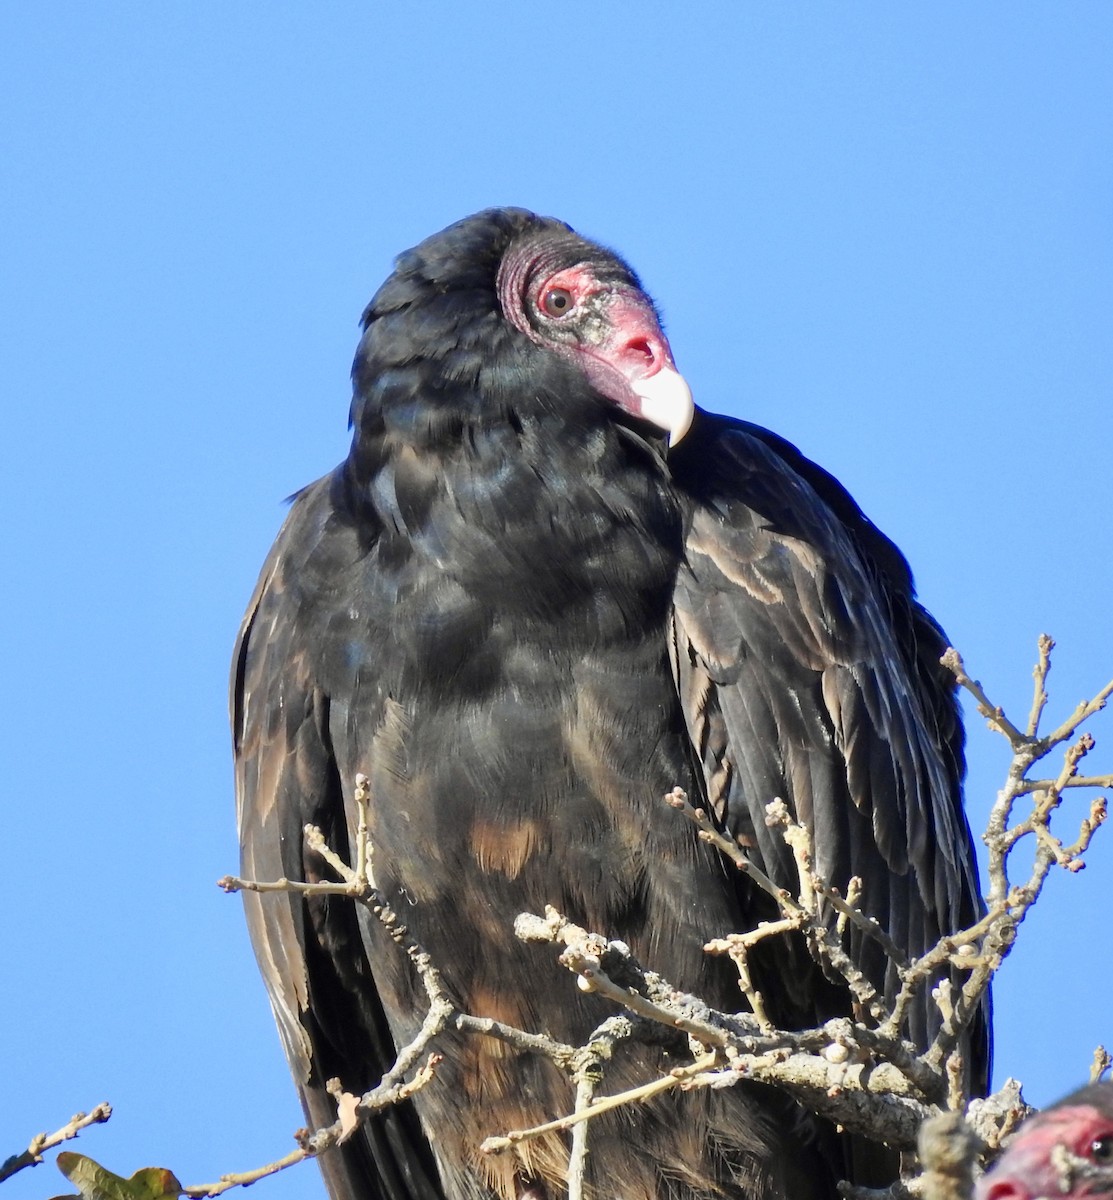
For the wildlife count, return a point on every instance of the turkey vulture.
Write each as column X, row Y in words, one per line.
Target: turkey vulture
column 540, row 592
column 1064, row 1151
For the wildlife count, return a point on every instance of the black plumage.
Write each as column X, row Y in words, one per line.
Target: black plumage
column 525, row 616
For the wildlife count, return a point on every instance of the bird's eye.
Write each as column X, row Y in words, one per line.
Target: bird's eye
column 556, row 302
column 1101, row 1149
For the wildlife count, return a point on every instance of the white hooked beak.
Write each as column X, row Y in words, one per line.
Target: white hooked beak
column 666, row 400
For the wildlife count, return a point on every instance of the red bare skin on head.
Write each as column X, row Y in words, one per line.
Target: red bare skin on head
column 630, row 342
column 621, row 350
column 602, row 321
column 1066, row 1151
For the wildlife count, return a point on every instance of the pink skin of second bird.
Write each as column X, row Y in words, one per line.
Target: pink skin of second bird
column 1028, row 1170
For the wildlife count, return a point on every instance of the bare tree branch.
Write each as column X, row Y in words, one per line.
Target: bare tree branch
column 676, row 1077
column 1100, row 1063
column 246, row 1178
column 41, row 1142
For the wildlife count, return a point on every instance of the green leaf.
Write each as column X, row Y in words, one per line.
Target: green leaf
column 95, row 1182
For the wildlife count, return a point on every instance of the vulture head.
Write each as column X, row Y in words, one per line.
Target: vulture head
column 503, row 299
column 1065, row 1151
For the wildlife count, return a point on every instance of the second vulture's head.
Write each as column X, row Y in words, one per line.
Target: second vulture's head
column 508, row 315
column 1066, row 1151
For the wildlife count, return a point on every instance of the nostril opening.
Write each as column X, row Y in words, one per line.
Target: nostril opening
column 640, row 348
column 1006, row 1189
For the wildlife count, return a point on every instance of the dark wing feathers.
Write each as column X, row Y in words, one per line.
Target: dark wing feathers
column 801, row 665
column 311, row 953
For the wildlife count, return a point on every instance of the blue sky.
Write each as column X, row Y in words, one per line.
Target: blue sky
column 882, row 230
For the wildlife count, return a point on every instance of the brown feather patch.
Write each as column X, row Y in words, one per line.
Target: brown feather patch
column 504, row 846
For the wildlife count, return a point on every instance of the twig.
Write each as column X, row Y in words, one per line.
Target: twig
column 799, row 841
column 826, row 943
column 886, row 1096
column 994, row 1118
column 41, row 1142
column 391, row 1089
column 993, row 713
column 495, row 1145
column 577, row 1154
column 246, row 1178
column 1078, row 781
column 409, row 1073
column 1101, row 1063
column 1008, row 903
column 948, row 1149
column 738, row 946
column 560, row 1053
column 356, row 882
column 1082, row 713
column 1039, row 698
column 583, row 956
